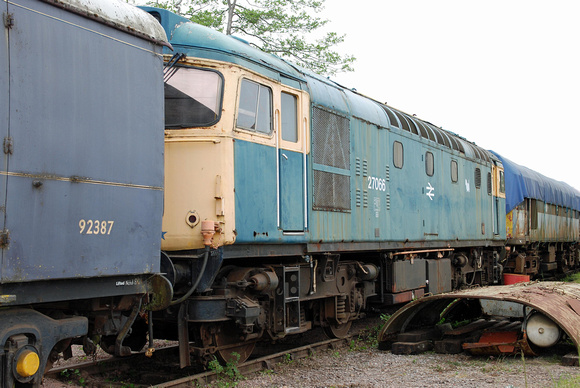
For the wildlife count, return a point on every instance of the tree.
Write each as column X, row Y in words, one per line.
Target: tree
column 279, row 27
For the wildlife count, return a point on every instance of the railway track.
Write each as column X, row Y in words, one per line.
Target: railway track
column 162, row 370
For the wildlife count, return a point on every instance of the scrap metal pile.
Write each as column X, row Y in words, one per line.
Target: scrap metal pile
column 525, row 317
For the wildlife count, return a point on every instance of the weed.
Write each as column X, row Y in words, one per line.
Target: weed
column 227, row 375
column 288, row 358
column 73, row 376
column 572, row 278
column 352, row 345
column 567, row 382
column 369, row 337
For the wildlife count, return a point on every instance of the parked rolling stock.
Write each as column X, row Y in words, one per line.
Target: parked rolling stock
column 284, row 201
column 325, row 202
column 81, row 180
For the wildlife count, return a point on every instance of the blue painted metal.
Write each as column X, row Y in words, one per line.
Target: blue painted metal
column 88, row 148
column 522, row 182
column 409, row 206
column 4, row 110
column 199, row 41
column 361, row 107
column 325, row 93
column 255, row 183
column 291, row 191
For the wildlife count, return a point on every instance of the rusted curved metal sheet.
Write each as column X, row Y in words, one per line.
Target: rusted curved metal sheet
column 557, row 300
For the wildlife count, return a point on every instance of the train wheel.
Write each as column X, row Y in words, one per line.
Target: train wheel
column 229, row 346
column 337, row 330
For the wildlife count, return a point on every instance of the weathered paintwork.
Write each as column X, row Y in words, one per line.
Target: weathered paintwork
column 237, row 186
column 118, row 15
column 556, row 300
column 84, row 177
column 554, row 223
column 4, row 107
column 345, row 191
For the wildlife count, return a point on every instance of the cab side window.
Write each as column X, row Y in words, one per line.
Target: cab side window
column 255, row 109
column 289, row 117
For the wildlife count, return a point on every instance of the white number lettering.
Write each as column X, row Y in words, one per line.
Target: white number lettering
column 378, row 184
column 95, row 226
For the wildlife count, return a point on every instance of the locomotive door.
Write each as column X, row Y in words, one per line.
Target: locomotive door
column 291, row 164
column 497, row 181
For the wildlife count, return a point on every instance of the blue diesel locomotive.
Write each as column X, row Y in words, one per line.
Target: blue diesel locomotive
column 279, row 200
column 321, row 202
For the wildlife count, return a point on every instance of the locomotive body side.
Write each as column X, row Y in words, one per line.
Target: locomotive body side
column 321, row 197
column 82, row 178
column 395, row 189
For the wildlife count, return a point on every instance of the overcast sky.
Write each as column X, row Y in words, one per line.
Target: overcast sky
column 503, row 74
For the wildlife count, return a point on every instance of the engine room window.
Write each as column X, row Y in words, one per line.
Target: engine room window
column 193, row 98
column 477, row 178
column 454, row 171
column 398, row 157
column 429, row 164
column 289, row 117
column 255, row 109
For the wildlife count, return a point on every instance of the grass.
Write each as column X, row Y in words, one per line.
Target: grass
column 567, row 382
column 572, row 278
column 369, row 337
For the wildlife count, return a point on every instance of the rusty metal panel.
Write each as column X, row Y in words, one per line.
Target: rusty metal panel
column 439, row 276
column 553, row 299
column 404, row 297
column 519, row 217
column 406, row 275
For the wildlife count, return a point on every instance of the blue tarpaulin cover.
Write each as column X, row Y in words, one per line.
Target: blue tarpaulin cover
column 521, row 182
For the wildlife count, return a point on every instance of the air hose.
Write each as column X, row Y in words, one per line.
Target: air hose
column 194, row 285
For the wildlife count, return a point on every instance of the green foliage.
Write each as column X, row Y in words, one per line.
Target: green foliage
column 279, row 27
column 288, row 358
column 368, row 338
column 227, row 375
column 73, row 376
column 572, row 278
column 567, row 382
